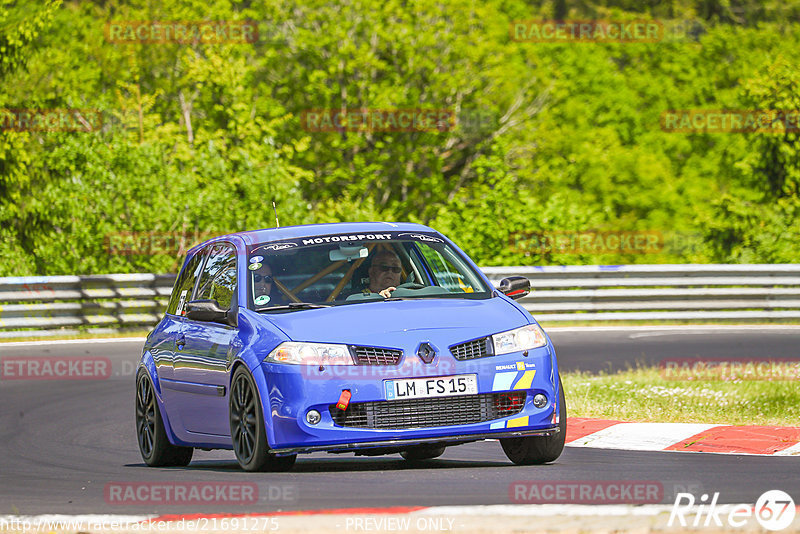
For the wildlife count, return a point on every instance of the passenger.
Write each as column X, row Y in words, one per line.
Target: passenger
column 384, row 273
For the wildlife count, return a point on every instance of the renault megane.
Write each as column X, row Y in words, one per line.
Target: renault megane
column 372, row 338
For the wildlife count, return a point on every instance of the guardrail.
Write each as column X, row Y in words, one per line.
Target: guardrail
column 659, row 292
column 49, row 302
column 559, row 293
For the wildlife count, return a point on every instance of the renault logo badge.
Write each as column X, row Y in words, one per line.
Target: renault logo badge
column 426, row 352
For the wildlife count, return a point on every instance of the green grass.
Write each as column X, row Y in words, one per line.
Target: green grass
column 643, row 395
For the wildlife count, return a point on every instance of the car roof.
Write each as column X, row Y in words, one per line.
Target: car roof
column 267, row 235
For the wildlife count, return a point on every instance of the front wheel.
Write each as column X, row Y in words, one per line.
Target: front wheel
column 536, row 450
column 154, row 445
column 248, row 433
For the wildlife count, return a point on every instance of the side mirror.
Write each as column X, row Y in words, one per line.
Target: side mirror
column 515, row 287
column 207, row 310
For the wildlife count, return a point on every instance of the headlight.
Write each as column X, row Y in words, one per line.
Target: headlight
column 310, row 354
column 525, row 338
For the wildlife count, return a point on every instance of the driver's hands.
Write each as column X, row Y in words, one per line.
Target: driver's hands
column 386, row 293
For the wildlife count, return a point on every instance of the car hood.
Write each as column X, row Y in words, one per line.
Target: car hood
column 395, row 323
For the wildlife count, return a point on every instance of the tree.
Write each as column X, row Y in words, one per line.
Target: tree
column 758, row 223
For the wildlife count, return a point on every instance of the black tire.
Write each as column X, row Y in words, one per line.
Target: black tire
column 422, row 452
column 535, row 450
column 154, row 444
column 248, row 434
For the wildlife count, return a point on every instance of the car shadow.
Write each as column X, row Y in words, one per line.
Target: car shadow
column 338, row 465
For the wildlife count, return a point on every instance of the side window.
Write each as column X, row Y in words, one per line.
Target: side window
column 447, row 275
column 182, row 291
column 218, row 281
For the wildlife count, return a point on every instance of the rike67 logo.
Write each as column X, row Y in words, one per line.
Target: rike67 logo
column 774, row 510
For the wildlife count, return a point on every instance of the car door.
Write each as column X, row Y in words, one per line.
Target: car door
column 170, row 329
column 201, row 362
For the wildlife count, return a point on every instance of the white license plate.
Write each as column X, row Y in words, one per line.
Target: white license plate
column 440, row 386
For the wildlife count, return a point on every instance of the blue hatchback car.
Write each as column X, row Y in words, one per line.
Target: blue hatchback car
column 372, row 338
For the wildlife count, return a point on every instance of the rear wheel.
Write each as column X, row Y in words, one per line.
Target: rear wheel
column 248, row 433
column 154, row 445
column 536, row 450
column 422, row 452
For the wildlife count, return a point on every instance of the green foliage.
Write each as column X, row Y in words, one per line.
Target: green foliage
column 199, row 139
column 757, row 220
column 21, row 26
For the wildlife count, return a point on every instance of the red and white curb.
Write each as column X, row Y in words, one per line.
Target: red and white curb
column 683, row 437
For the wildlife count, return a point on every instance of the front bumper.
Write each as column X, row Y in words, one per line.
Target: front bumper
column 292, row 391
column 401, row 443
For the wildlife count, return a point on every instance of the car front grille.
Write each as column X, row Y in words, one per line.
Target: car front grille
column 429, row 412
column 376, row 356
column 477, row 348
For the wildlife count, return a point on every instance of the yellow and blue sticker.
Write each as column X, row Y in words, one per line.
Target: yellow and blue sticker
column 517, row 375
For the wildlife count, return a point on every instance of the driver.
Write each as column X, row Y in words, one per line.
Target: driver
column 384, row 273
column 262, row 285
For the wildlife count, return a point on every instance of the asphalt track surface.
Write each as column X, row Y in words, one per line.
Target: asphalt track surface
column 63, row 443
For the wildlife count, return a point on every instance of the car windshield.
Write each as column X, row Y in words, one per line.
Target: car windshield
column 331, row 270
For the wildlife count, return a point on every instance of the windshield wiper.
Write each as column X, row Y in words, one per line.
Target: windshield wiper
column 295, row 306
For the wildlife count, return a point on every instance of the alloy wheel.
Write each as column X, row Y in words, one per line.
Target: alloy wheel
column 243, row 419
